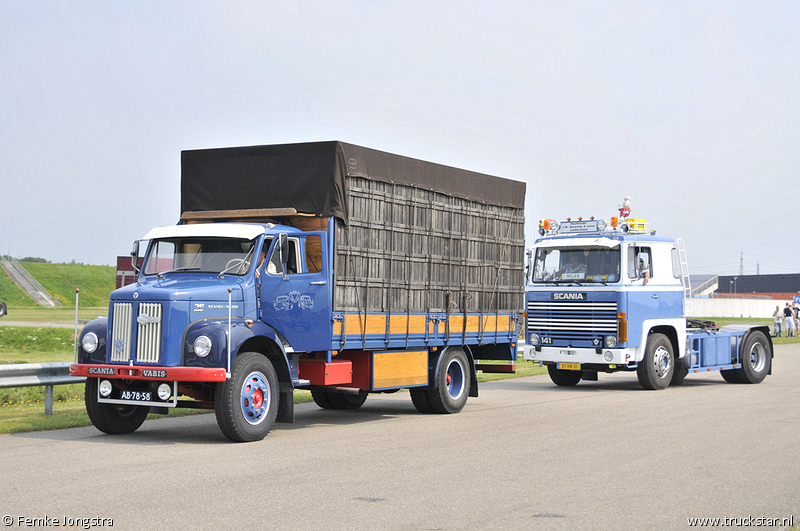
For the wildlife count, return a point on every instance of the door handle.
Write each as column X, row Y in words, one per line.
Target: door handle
column 655, row 296
column 318, row 283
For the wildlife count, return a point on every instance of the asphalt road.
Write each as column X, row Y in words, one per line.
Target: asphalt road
column 524, row 455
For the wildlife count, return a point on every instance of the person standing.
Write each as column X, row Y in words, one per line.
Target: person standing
column 788, row 317
column 778, row 317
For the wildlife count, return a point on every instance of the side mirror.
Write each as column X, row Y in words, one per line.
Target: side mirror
column 283, row 249
column 135, row 256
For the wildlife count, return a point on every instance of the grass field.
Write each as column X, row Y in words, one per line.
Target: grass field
column 61, row 280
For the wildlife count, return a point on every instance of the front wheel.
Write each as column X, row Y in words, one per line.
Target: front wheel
column 246, row 404
column 452, row 384
column 3, row 309
column 655, row 371
column 112, row 418
column 563, row 377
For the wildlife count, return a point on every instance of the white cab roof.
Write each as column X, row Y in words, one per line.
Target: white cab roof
column 247, row 231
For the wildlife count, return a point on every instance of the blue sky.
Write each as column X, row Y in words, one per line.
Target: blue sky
column 689, row 108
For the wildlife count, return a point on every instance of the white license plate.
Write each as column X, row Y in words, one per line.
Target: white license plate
column 135, row 396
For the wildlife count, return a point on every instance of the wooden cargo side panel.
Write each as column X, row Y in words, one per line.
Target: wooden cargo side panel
column 392, row 370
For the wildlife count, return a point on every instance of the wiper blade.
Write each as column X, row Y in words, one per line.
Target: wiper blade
column 176, row 270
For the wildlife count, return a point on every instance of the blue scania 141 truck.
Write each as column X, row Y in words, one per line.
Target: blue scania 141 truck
column 602, row 298
column 322, row 266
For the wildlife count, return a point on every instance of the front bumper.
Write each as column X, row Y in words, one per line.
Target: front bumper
column 139, row 372
column 619, row 356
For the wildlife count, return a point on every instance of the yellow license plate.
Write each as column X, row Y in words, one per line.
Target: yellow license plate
column 570, row 366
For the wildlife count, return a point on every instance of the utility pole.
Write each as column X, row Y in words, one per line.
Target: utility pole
column 741, row 264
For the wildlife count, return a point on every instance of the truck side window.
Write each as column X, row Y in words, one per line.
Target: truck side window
column 313, row 254
column 274, row 267
column 639, row 261
column 676, row 264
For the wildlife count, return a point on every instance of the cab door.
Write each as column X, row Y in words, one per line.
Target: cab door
column 295, row 290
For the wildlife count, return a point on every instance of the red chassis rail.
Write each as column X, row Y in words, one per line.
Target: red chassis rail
column 132, row 372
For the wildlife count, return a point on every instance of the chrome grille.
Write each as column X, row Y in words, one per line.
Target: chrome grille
column 121, row 331
column 572, row 320
column 148, row 341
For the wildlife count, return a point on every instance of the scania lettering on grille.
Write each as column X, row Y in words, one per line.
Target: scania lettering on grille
column 109, row 371
column 150, row 373
column 568, row 296
column 146, row 319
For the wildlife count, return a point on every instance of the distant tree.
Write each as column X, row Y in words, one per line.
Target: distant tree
column 34, row 260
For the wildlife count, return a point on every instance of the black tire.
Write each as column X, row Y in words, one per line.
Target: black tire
column 679, row 375
column 347, row 400
column 730, row 376
column 756, row 358
column 3, row 309
column 656, row 369
column 421, row 400
column 451, row 389
column 564, row 378
column 322, row 399
column 246, row 405
column 112, row 418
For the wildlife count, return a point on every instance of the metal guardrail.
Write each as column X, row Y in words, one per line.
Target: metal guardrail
column 38, row 374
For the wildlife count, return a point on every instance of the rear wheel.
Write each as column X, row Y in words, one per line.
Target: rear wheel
column 246, row 405
column 3, row 309
column 730, row 376
column 655, row 371
column 113, row 419
column 322, row 399
column 419, row 397
column 564, row 378
column 756, row 358
column 347, row 400
column 452, row 385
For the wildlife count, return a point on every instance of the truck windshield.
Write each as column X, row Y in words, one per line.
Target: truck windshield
column 233, row 256
column 576, row 264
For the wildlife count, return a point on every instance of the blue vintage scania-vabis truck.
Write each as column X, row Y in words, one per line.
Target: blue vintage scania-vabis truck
column 322, row 266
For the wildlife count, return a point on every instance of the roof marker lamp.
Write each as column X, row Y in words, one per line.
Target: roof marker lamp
column 615, row 222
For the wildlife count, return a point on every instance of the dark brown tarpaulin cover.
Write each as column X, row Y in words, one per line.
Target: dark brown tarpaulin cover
column 312, row 178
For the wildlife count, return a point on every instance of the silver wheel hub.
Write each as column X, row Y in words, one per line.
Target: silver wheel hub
column 662, row 362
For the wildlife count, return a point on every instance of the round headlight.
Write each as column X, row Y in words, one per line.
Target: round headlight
column 89, row 342
column 534, row 339
column 611, row 341
column 202, row 346
column 105, row 388
column 164, row 391
column 608, row 355
column 601, row 225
